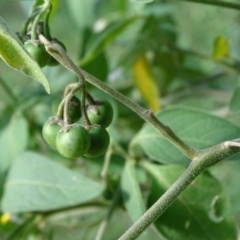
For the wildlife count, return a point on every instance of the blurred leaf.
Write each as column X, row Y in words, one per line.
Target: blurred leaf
column 142, row 1
column 145, row 83
column 13, row 53
column 131, row 192
column 82, row 12
column 38, row 184
column 221, row 48
column 100, row 60
column 202, row 211
column 133, row 199
column 198, row 129
column 101, row 40
column 13, row 140
column 227, row 172
column 235, row 101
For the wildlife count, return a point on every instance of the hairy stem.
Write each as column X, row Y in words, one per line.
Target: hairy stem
column 205, row 159
column 225, row 4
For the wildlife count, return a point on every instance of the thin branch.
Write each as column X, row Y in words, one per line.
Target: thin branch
column 231, row 5
column 206, row 158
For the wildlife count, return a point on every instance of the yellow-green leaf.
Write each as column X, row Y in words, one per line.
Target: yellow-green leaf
column 13, row 53
column 221, row 48
column 145, row 83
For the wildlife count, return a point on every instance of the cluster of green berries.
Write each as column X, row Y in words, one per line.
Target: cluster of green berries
column 76, row 141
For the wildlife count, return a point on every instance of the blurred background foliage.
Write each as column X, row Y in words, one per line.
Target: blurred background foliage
column 162, row 54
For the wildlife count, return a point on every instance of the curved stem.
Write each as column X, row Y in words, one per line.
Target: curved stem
column 225, row 4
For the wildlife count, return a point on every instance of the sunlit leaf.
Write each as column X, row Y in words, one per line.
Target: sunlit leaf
column 37, row 184
column 202, row 211
column 221, row 48
column 13, row 53
column 145, row 83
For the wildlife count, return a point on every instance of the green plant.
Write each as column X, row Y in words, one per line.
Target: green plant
column 99, row 142
column 100, row 112
column 174, row 92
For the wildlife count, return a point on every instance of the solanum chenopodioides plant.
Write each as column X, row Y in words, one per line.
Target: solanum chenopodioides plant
column 89, row 138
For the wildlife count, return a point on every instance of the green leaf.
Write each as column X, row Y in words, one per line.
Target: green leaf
column 83, row 12
column 227, row 172
column 13, row 53
column 202, row 211
column 133, row 199
column 235, row 101
column 132, row 196
column 100, row 60
column 38, row 184
column 198, row 129
column 13, row 140
column 101, row 40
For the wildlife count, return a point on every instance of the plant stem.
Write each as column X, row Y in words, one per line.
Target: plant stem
column 205, row 159
column 59, row 54
column 147, row 115
column 225, row 4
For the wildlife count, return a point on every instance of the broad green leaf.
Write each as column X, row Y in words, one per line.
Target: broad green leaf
column 145, row 83
column 13, row 53
column 133, row 199
column 221, row 48
column 100, row 60
column 13, row 140
column 202, row 211
column 227, row 172
column 198, row 129
column 106, row 37
column 235, row 101
column 37, row 184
